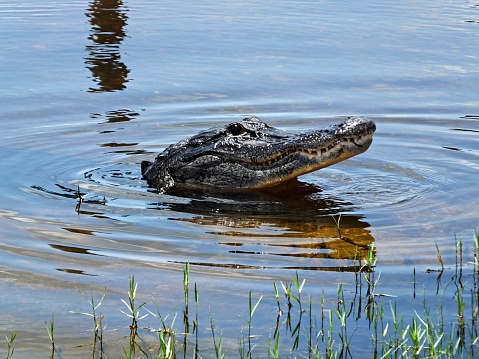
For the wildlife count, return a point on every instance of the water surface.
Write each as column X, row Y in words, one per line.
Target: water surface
column 90, row 89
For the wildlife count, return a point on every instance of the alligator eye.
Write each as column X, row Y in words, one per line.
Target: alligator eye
column 235, row 129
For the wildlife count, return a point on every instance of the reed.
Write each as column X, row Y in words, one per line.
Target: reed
column 50, row 326
column 10, row 341
column 252, row 309
column 217, row 342
column 135, row 341
column 133, row 310
column 98, row 327
column 166, row 334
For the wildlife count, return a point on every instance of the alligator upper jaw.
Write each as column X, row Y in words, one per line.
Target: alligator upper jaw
column 323, row 153
column 304, row 161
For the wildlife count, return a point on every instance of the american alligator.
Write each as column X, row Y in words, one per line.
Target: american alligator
column 252, row 154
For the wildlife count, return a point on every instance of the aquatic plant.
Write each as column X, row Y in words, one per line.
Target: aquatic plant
column 50, row 326
column 133, row 309
column 300, row 332
column 10, row 341
column 98, row 327
column 249, row 320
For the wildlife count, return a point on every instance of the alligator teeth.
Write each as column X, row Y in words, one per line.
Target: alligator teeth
column 318, row 152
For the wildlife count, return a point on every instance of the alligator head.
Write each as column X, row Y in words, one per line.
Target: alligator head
column 252, row 154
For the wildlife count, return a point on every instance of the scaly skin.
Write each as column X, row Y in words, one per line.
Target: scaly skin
column 252, row 154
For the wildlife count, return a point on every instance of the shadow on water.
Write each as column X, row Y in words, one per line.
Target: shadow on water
column 108, row 19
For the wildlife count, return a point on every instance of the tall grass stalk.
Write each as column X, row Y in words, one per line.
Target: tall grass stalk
column 167, row 348
column 97, row 318
column 186, row 320
column 370, row 259
column 342, row 313
column 252, row 308
column 338, row 222
column 196, row 322
column 439, row 257
column 217, row 342
column 50, row 326
column 273, row 350
column 133, row 310
column 186, row 279
column 279, row 312
column 476, row 244
column 165, row 334
column 10, row 341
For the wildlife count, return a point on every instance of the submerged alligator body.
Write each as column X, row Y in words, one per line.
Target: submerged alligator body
column 252, row 154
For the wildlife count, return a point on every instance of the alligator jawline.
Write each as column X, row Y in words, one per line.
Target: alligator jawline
column 318, row 152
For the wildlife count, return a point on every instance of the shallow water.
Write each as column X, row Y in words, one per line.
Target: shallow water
column 90, row 89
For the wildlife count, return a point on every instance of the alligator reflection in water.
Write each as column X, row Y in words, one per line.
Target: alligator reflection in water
column 114, row 116
column 107, row 19
column 291, row 220
column 291, row 226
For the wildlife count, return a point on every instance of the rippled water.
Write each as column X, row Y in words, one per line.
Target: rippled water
column 90, row 89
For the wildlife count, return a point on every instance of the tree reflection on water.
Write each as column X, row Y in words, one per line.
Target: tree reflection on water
column 108, row 20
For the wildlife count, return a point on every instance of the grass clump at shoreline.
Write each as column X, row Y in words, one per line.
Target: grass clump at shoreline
column 359, row 324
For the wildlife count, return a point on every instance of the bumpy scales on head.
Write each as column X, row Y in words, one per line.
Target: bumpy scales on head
column 252, row 154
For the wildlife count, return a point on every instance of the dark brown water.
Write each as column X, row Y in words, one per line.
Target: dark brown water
column 90, row 89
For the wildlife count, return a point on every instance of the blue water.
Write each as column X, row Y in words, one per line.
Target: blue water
column 90, row 89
